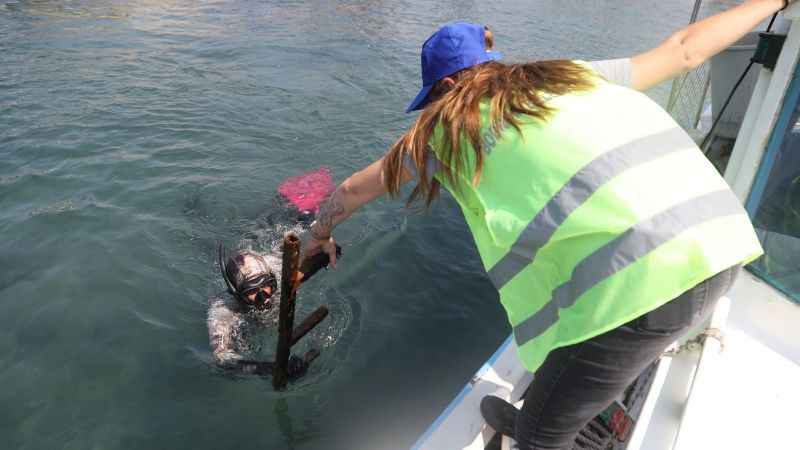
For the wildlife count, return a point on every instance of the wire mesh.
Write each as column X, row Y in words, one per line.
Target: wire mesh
column 688, row 94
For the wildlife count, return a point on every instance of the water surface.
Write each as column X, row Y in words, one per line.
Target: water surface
column 136, row 135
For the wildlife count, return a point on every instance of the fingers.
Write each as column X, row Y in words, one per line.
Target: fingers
column 333, row 258
column 331, row 250
column 311, row 249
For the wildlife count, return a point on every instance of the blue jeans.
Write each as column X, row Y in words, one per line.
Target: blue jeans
column 578, row 382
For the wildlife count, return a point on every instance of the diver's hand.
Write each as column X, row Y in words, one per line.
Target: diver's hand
column 298, row 367
column 315, row 246
column 313, row 263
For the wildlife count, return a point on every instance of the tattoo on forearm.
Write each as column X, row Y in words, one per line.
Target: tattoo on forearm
column 330, row 213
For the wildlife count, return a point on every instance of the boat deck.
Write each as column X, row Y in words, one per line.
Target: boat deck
column 750, row 385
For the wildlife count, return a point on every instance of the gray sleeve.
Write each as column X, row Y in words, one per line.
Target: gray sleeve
column 222, row 324
column 617, row 71
column 431, row 165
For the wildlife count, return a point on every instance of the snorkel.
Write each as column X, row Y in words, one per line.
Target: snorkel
column 250, row 283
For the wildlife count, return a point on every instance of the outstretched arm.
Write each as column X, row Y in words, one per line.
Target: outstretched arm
column 360, row 188
column 692, row 46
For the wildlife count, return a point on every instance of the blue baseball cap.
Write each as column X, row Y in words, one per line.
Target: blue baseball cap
column 456, row 46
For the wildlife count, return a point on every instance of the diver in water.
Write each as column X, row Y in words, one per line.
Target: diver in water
column 253, row 288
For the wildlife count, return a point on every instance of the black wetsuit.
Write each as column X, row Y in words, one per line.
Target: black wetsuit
column 231, row 325
column 230, row 330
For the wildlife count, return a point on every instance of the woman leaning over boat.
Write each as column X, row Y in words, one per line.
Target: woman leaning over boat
column 603, row 227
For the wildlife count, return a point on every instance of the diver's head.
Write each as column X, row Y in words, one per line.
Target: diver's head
column 250, row 279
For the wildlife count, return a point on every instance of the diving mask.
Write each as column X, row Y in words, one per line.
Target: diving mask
column 247, row 274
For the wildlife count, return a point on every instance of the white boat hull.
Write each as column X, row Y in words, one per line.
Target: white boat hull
column 461, row 425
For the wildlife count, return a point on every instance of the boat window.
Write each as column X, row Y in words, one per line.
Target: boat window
column 774, row 202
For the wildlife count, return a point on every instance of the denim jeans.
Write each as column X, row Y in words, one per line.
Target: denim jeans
column 577, row 382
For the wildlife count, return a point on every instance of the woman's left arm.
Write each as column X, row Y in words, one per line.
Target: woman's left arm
column 691, row 46
column 357, row 190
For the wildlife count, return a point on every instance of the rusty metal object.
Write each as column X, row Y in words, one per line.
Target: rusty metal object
column 311, row 265
column 309, row 323
column 289, row 284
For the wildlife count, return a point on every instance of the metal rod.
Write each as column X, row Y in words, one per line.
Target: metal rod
column 289, row 283
column 309, row 323
column 699, row 113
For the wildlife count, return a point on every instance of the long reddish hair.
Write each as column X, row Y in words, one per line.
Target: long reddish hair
column 512, row 89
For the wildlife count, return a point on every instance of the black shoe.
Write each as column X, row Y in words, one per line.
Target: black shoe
column 499, row 414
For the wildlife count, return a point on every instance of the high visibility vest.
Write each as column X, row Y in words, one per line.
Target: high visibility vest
column 595, row 216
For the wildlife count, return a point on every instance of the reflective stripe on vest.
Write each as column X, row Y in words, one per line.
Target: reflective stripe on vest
column 635, row 243
column 575, row 192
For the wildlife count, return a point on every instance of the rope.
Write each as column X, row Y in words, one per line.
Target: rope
column 697, row 342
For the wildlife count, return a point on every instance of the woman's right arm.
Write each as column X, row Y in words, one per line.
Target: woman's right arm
column 692, row 46
column 360, row 188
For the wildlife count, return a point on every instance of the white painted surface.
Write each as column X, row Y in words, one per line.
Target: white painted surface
column 736, row 162
column 662, row 429
column 461, row 425
column 746, row 397
column 692, row 424
column 765, row 314
column 726, row 68
column 748, row 401
column 763, row 114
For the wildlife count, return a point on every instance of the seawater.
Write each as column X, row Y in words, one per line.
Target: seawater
column 135, row 135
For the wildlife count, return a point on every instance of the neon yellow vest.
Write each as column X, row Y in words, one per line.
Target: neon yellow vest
column 600, row 214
